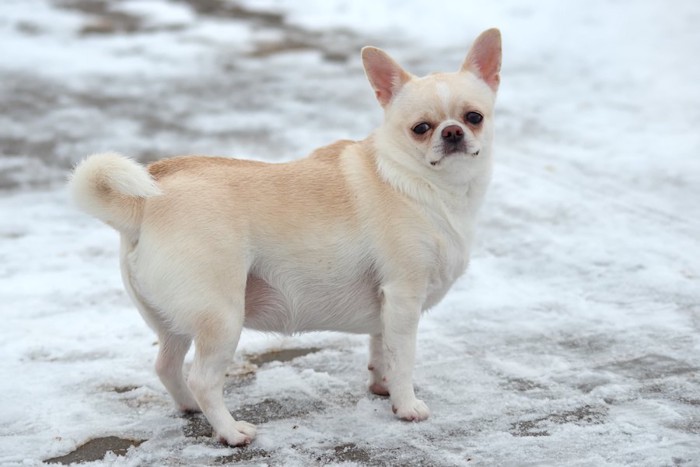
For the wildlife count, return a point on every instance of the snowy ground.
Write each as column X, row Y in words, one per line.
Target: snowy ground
column 574, row 338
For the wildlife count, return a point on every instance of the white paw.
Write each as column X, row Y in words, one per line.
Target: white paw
column 242, row 433
column 414, row 410
column 246, row 428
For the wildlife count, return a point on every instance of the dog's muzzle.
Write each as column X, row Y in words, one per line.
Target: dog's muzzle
column 453, row 140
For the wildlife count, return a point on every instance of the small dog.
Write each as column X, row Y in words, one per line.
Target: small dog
column 360, row 237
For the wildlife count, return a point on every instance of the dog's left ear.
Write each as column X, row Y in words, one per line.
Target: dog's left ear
column 484, row 58
column 384, row 74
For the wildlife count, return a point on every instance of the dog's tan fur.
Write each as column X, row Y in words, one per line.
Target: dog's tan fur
column 358, row 237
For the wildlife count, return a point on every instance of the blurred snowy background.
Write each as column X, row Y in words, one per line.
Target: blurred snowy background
column 574, row 338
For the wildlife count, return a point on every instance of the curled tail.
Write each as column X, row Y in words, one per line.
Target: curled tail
column 112, row 188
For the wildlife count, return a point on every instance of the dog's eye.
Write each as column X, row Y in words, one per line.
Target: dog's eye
column 421, row 128
column 474, row 118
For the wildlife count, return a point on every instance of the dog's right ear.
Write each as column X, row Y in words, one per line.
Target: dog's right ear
column 384, row 74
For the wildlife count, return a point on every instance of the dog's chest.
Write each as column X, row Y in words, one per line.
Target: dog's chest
column 453, row 251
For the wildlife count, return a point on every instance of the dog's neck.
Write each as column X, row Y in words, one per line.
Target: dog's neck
column 453, row 205
column 460, row 192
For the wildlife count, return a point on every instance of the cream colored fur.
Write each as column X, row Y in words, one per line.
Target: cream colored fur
column 358, row 237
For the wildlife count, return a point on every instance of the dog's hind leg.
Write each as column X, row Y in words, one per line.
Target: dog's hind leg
column 172, row 349
column 216, row 339
column 172, row 346
column 171, row 355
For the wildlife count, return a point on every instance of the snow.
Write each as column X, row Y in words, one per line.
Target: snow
column 574, row 337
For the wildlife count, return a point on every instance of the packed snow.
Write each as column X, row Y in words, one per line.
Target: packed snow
column 574, row 337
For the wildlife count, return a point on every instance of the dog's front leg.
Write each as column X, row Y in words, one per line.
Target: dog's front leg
column 401, row 309
column 376, row 366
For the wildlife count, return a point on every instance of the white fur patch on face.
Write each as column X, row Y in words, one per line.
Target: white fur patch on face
column 443, row 91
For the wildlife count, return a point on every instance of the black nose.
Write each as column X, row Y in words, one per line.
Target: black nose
column 453, row 134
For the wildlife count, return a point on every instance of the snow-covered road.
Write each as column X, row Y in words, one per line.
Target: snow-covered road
column 574, row 338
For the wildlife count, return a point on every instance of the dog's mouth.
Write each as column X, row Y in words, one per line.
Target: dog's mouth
column 451, row 152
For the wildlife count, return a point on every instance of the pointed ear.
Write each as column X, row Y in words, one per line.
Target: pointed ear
column 384, row 74
column 484, row 58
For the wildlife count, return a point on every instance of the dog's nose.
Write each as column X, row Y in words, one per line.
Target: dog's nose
column 453, row 134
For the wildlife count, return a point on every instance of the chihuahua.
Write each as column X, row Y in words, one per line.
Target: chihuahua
column 359, row 237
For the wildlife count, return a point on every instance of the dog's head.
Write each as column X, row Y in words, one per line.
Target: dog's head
column 443, row 121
